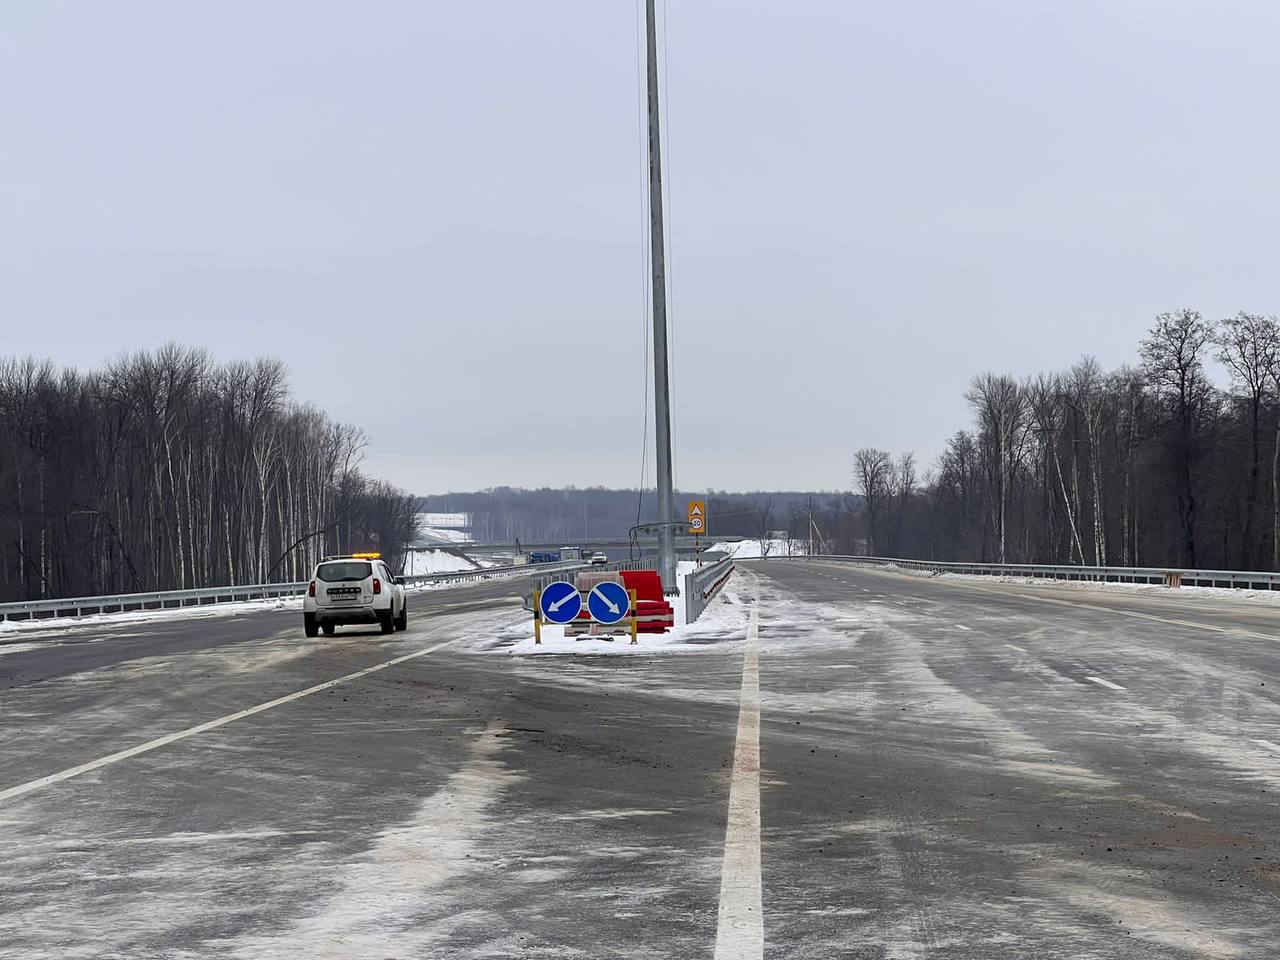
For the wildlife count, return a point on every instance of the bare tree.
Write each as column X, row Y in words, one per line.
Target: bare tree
column 1172, row 358
column 164, row 470
column 1091, row 399
column 763, row 515
column 873, row 478
column 1249, row 345
column 1001, row 406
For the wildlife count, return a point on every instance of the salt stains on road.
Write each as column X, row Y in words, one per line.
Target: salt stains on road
column 375, row 911
column 1105, row 683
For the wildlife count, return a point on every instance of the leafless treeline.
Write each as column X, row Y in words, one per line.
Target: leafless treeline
column 167, row 471
column 1151, row 465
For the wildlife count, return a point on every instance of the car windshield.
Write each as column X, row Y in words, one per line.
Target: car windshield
column 343, row 570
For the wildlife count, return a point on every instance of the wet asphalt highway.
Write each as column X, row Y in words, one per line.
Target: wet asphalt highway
column 947, row 769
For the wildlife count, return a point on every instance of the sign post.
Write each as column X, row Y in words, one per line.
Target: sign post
column 537, row 617
column 558, row 602
column 697, row 525
column 635, row 627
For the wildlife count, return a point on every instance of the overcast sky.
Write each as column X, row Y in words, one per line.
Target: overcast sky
column 433, row 211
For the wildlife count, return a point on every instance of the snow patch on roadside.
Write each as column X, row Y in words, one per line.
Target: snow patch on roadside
column 17, row 628
column 725, row 619
column 1149, row 589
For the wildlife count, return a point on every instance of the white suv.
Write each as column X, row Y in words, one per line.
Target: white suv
column 354, row 589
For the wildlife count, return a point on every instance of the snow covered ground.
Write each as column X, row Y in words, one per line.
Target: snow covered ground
column 752, row 549
column 444, row 563
column 430, row 535
column 422, row 562
column 1152, row 589
column 725, row 617
column 29, row 628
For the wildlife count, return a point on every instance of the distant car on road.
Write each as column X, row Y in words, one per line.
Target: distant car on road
column 354, row 589
column 598, row 559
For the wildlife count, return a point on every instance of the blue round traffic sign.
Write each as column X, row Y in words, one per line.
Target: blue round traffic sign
column 560, row 602
column 609, row 602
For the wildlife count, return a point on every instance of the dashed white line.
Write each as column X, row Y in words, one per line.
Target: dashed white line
column 740, row 921
column 1014, row 646
column 164, row 741
column 961, row 626
column 1268, row 745
column 1105, row 683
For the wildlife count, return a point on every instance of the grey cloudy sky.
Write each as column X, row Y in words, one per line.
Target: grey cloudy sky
column 432, row 211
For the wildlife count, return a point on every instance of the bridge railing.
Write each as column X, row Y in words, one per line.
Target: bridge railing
column 1166, row 576
column 165, row 599
column 701, row 586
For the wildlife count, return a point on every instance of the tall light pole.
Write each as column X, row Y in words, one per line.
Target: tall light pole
column 661, row 379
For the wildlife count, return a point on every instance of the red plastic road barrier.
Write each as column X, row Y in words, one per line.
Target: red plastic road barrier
column 646, row 583
column 653, row 613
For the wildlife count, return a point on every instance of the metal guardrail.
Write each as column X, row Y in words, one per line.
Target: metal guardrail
column 701, row 586
column 78, row 606
column 553, row 572
column 642, row 563
column 1166, row 576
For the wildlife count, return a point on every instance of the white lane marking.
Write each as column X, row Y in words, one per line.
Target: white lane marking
column 1105, row 683
column 1014, row 646
column 961, row 626
column 1268, row 744
column 740, row 923
column 164, row 741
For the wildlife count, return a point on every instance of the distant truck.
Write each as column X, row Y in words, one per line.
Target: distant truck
column 544, row 556
column 568, row 554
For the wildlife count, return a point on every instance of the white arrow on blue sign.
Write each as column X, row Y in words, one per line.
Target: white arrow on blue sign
column 609, row 602
column 560, row 602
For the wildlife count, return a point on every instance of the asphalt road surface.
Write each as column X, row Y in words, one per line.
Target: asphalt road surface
column 851, row 764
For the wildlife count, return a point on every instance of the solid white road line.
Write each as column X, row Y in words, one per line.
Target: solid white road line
column 1014, row 646
column 1105, row 683
column 740, row 924
column 1268, row 744
column 164, row 741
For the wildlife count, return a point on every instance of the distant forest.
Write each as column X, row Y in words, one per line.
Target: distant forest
column 167, row 471
column 1148, row 465
column 506, row 514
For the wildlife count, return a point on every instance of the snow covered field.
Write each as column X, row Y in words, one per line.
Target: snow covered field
column 423, row 562
column 752, row 549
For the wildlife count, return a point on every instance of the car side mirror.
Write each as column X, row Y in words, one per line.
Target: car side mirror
column 400, row 581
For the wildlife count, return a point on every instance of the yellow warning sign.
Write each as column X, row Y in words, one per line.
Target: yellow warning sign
column 697, row 516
